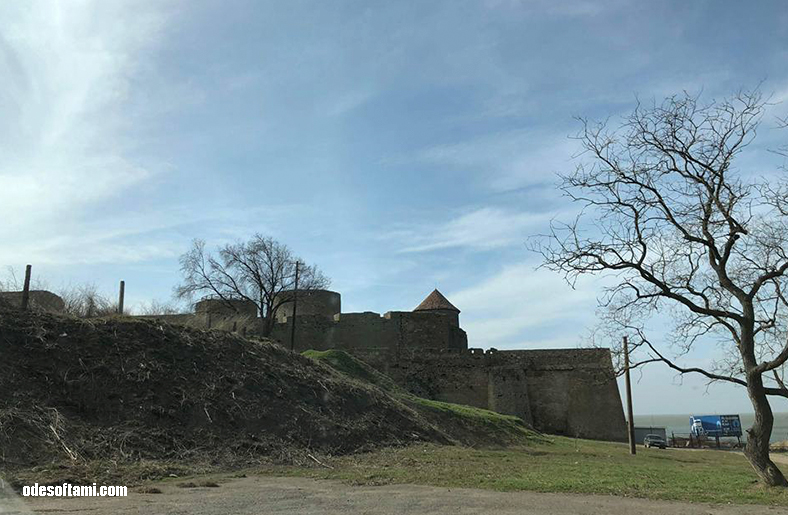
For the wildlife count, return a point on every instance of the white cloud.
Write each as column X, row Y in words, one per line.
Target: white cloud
column 575, row 8
column 346, row 102
column 481, row 229
column 68, row 70
column 508, row 160
column 521, row 306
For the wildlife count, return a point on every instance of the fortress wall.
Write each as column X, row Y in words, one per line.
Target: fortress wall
column 456, row 377
column 458, row 339
column 371, row 333
column 312, row 332
column 560, row 391
column 422, row 330
column 37, row 299
column 367, row 331
column 226, row 308
column 548, row 359
column 572, row 392
column 508, row 392
column 463, row 378
column 310, row 302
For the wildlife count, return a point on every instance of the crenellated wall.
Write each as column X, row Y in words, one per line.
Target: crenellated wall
column 570, row 392
column 378, row 336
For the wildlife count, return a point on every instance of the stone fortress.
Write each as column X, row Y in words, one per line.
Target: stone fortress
column 569, row 392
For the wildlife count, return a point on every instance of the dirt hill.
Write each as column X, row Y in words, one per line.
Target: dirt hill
column 124, row 388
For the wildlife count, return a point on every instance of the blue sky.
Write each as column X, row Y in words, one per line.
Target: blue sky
column 401, row 146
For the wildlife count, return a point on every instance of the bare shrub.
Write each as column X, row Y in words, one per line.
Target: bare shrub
column 85, row 301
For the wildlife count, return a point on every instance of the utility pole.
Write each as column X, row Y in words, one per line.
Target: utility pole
column 630, row 420
column 120, row 297
column 26, row 289
column 295, row 307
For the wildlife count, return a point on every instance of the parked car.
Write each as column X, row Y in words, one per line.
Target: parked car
column 655, row 441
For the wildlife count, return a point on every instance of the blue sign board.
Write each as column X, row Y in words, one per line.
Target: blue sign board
column 715, row 425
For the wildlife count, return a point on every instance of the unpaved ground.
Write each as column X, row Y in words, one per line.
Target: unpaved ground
column 271, row 495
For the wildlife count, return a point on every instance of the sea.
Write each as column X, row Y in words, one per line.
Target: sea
column 679, row 424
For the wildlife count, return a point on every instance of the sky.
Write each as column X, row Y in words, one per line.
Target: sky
column 400, row 146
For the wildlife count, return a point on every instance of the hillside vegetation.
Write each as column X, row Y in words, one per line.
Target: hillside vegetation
column 128, row 391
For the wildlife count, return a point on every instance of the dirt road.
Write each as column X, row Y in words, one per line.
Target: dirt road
column 270, row 495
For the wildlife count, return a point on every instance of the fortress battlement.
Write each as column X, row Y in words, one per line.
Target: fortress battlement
column 560, row 391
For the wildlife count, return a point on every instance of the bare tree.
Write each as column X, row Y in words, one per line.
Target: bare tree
column 258, row 271
column 682, row 236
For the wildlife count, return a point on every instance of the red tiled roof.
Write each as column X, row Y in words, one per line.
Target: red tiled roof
column 435, row 300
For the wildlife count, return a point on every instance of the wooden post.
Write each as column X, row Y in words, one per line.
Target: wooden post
column 630, row 419
column 26, row 289
column 121, row 296
column 295, row 306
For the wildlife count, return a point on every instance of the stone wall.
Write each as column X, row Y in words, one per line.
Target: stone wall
column 37, row 299
column 570, row 392
column 310, row 302
column 226, row 307
column 574, row 392
column 371, row 333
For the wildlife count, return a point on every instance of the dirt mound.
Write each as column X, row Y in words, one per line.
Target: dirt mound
column 76, row 390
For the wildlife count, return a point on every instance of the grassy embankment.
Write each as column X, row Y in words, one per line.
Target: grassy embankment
column 466, row 425
column 554, row 464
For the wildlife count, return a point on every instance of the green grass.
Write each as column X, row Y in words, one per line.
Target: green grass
column 477, row 419
column 543, row 464
column 355, row 368
column 466, row 424
column 563, row 465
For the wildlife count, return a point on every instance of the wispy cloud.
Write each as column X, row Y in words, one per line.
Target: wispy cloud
column 521, row 305
column 481, row 229
column 68, row 69
column 508, row 160
column 573, row 8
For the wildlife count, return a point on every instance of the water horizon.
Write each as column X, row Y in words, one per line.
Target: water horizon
column 679, row 423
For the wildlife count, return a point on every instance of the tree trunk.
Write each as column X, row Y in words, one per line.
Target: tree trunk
column 757, row 449
column 268, row 324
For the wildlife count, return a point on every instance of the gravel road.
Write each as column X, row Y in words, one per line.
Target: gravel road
column 272, row 495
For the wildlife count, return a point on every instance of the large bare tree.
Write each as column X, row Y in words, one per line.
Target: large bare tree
column 258, row 270
column 684, row 237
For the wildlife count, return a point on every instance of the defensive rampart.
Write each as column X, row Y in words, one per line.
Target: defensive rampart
column 569, row 392
column 379, row 337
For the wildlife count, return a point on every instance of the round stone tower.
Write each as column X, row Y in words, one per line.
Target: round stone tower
column 437, row 303
column 310, row 302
